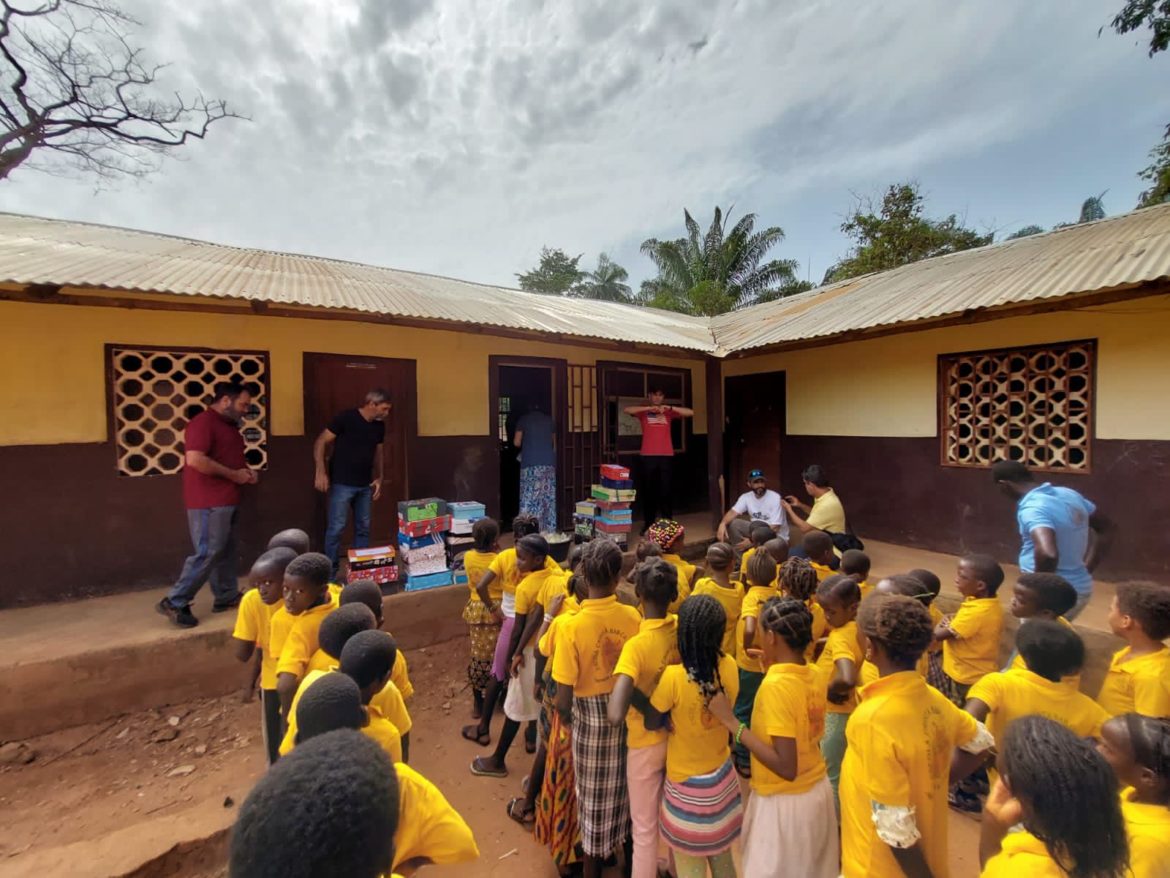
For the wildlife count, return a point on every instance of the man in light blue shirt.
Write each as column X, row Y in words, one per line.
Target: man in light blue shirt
column 1060, row 531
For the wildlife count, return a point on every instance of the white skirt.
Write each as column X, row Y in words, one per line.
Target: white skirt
column 521, row 705
column 794, row 834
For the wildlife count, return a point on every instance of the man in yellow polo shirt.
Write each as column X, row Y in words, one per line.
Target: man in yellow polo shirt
column 826, row 512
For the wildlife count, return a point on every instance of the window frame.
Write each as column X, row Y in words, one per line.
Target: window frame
column 608, row 428
column 941, row 398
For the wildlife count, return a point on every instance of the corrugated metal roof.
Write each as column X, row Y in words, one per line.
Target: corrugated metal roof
column 1117, row 252
column 34, row 250
column 1112, row 253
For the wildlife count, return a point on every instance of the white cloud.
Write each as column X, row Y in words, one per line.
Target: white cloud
column 458, row 136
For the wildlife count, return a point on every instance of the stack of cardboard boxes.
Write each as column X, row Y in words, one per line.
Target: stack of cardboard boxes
column 614, row 498
column 422, row 525
column 376, row 563
column 464, row 515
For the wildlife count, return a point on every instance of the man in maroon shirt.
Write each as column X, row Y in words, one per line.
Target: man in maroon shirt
column 214, row 470
column 657, row 455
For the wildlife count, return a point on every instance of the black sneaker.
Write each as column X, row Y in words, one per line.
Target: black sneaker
column 184, row 618
column 226, row 605
column 967, row 803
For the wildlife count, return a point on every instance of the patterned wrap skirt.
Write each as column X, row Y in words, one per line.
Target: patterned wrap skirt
column 483, row 629
column 599, row 762
column 556, row 808
column 702, row 815
column 538, row 495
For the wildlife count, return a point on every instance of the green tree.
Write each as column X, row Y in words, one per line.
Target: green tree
column 557, row 274
column 712, row 272
column 1158, row 174
column 1025, row 232
column 1154, row 14
column 606, row 283
column 1092, row 209
column 899, row 234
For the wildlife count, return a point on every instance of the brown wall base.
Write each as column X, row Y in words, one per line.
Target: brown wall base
column 894, row 490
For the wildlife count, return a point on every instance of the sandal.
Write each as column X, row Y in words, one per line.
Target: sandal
column 472, row 733
column 526, row 816
column 479, row 770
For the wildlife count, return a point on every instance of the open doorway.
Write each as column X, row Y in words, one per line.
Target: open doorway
column 520, row 387
column 755, row 409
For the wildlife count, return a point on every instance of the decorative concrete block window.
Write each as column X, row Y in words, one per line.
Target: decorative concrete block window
column 1033, row 404
column 153, row 392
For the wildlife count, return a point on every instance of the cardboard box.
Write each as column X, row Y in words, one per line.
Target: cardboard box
column 424, row 526
column 431, row 580
column 617, row 484
column 376, row 563
column 421, row 510
column 587, row 508
column 466, row 509
column 603, row 527
column 600, row 492
column 614, row 471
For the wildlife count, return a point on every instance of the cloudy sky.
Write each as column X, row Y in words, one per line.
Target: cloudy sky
column 458, row 136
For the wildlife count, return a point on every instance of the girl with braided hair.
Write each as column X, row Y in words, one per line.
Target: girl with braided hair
column 901, row 746
column 761, row 588
column 587, row 650
column 910, row 586
column 799, row 580
column 1065, row 795
column 791, row 823
column 1137, row 748
column 719, row 585
column 702, row 811
column 839, row 661
column 670, row 537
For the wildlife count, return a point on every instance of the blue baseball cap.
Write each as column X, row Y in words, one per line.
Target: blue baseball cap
column 756, row 474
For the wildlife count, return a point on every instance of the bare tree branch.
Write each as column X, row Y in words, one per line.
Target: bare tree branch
column 77, row 98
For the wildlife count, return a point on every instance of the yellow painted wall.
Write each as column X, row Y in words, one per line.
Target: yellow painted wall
column 52, row 369
column 889, row 386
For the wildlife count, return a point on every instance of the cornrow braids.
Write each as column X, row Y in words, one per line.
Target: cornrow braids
column 843, row 588
column 1070, row 797
column 790, row 619
column 534, row 545
column 525, row 524
column 701, row 620
column 798, row 579
column 657, row 581
column 601, row 563
column 1150, row 738
column 761, row 569
column 720, row 556
column 900, row 625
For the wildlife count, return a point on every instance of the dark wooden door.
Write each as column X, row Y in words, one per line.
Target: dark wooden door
column 754, row 406
column 334, row 383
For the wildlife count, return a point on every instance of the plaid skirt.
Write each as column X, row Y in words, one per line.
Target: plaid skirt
column 599, row 761
column 702, row 815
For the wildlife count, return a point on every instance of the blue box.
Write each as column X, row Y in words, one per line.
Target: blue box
column 429, row 580
column 467, row 509
column 406, row 541
column 617, row 484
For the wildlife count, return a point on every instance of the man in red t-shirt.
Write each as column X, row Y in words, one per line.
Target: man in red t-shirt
column 214, row 469
column 656, row 456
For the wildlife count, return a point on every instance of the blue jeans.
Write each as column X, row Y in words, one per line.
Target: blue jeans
column 214, row 540
column 341, row 497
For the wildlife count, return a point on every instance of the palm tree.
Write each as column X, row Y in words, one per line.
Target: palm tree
column 716, row 272
column 607, row 282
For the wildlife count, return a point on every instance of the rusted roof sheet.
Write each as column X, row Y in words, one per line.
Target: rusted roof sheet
column 44, row 251
column 1114, row 253
column 1117, row 252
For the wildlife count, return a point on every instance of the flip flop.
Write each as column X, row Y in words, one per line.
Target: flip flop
column 473, row 734
column 479, row 771
column 526, row 816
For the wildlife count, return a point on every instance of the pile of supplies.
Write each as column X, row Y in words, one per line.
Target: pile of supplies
column 422, row 525
column 376, row 563
column 613, row 499
column 464, row 515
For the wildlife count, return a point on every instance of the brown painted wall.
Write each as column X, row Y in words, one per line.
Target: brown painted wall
column 894, row 490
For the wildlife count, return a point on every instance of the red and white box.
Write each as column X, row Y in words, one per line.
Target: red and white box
column 613, row 471
column 376, row 563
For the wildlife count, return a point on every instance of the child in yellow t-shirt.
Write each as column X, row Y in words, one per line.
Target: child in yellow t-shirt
column 901, row 743
column 719, row 585
column 934, row 671
column 482, row 613
column 789, row 785
column 334, row 701
column 368, row 658
column 798, row 580
column 644, row 657
column 856, row 563
column 1050, row 652
column 367, row 592
column 1138, row 678
column 840, row 662
column 759, row 532
column 818, row 546
column 587, row 651
column 251, row 636
column 761, row 582
column 907, row 586
column 344, row 792
column 1064, row 794
column 970, row 638
column 700, row 780
column 307, row 598
column 1137, row 748
column 336, row 630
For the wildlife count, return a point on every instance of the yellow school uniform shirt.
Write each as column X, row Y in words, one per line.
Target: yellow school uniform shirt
column 1073, row 680
column 975, row 651
column 644, row 657
column 1022, row 855
column 842, row 644
column 379, row 728
column 753, row 600
column 253, row 625
column 1012, row 694
column 791, row 703
column 823, row 571
column 685, row 567
column 548, row 640
column 865, row 588
column 278, row 630
column 743, row 562
column 290, row 735
column 477, row 564
column 535, row 588
column 827, row 513
column 323, row 661
column 900, row 740
column 869, row 672
column 509, row 575
column 684, row 589
column 301, row 642
column 1139, row 684
column 428, row 827
column 590, row 643
column 731, row 599
column 820, row 627
column 1148, row 828
column 393, row 706
column 698, row 743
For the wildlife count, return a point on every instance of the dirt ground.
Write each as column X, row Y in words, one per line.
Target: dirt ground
column 151, row 794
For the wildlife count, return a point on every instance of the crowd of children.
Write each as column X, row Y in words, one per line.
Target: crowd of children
column 855, row 712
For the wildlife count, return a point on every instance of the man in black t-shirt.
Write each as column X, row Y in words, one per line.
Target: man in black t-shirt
column 348, row 458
